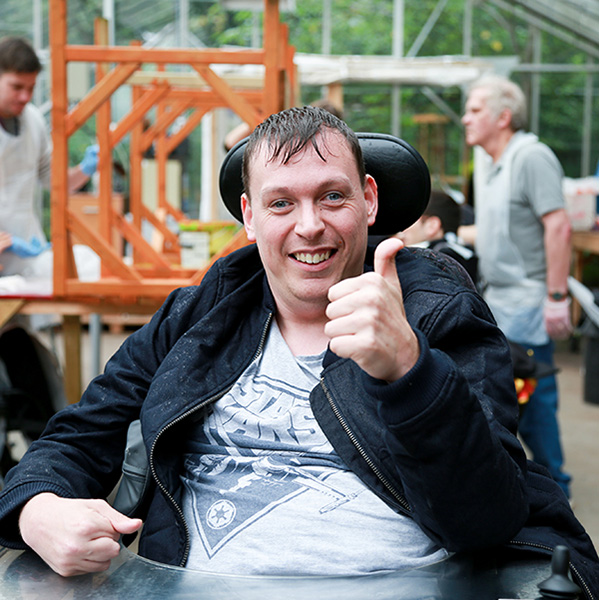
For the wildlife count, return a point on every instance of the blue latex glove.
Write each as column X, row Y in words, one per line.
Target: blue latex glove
column 89, row 164
column 27, row 249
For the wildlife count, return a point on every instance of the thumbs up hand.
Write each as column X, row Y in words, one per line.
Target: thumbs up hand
column 367, row 320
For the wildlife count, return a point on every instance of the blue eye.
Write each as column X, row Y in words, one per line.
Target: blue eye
column 334, row 196
column 280, row 204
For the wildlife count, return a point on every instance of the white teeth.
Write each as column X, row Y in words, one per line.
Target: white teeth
column 312, row 259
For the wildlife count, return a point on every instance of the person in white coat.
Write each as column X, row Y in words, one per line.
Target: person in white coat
column 25, row 160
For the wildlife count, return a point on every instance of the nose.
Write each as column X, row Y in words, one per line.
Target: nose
column 309, row 223
column 25, row 95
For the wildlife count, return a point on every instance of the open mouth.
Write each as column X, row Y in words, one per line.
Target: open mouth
column 312, row 258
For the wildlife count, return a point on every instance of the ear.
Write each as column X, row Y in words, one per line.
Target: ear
column 432, row 226
column 248, row 218
column 504, row 121
column 372, row 198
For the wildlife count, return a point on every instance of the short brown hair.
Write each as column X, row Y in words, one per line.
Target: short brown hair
column 288, row 132
column 18, row 56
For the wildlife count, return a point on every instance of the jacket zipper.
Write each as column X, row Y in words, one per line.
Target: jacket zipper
column 210, row 400
column 579, row 577
column 354, row 440
column 159, row 483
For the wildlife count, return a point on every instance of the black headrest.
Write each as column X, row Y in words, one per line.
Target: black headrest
column 402, row 177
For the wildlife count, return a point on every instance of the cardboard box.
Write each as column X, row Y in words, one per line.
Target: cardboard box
column 581, row 201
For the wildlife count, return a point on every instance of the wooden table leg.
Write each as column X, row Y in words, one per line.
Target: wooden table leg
column 9, row 307
column 72, row 354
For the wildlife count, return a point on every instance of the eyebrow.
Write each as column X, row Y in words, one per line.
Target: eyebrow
column 329, row 184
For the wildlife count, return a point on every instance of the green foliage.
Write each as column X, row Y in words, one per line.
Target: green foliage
column 362, row 27
column 80, row 16
column 305, row 26
column 217, row 27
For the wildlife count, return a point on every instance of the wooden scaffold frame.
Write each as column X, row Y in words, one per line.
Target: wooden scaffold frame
column 152, row 273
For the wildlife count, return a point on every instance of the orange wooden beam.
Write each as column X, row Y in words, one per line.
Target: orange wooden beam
column 288, row 67
column 103, row 248
column 192, row 122
column 163, row 122
column 164, row 117
column 99, row 94
column 115, row 288
column 245, row 110
column 135, row 172
column 211, row 99
column 105, row 155
column 273, row 101
column 60, row 153
column 139, row 109
column 163, row 56
column 135, row 238
column 174, row 212
column 147, row 214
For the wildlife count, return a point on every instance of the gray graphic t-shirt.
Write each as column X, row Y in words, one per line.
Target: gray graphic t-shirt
column 265, row 493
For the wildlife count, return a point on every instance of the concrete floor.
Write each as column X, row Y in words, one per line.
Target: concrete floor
column 579, row 423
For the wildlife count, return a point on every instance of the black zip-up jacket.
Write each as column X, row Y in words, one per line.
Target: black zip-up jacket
column 438, row 445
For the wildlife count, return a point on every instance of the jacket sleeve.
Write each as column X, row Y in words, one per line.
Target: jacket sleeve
column 451, row 426
column 81, row 451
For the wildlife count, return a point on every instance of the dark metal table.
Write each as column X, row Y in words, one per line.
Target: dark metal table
column 23, row 576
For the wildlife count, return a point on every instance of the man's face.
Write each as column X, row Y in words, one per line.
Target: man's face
column 479, row 122
column 16, row 90
column 310, row 221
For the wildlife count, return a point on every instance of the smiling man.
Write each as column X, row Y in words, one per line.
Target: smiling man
column 315, row 406
column 309, row 224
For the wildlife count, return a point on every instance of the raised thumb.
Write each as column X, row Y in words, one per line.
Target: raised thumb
column 384, row 259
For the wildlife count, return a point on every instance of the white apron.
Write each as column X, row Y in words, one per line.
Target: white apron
column 24, row 163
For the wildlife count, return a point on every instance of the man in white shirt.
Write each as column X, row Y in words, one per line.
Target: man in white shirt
column 523, row 244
